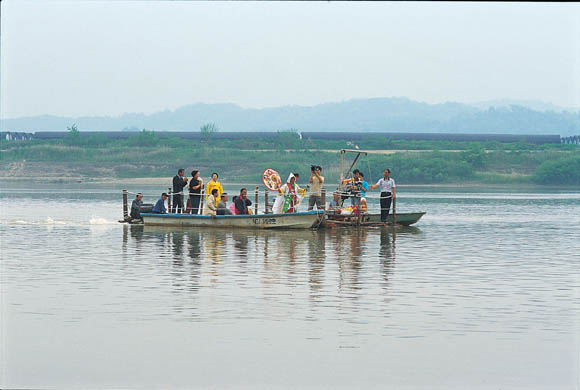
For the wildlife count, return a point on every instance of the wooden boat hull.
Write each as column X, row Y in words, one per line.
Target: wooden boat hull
column 402, row 218
column 373, row 219
column 303, row 220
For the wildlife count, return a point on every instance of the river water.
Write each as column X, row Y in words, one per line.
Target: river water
column 484, row 292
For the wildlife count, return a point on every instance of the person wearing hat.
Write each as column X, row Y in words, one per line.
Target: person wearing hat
column 335, row 202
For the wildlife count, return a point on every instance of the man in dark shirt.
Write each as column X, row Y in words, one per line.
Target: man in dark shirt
column 159, row 207
column 178, row 183
column 242, row 202
column 222, row 208
column 136, row 206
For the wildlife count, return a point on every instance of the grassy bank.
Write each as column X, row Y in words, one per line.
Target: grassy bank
column 412, row 162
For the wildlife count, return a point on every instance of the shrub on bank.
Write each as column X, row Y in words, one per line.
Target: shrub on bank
column 564, row 171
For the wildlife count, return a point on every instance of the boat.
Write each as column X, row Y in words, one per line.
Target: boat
column 300, row 220
column 405, row 219
column 364, row 218
column 268, row 220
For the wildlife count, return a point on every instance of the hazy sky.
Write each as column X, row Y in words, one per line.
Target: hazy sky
column 104, row 57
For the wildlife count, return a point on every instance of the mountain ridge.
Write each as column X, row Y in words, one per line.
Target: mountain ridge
column 392, row 114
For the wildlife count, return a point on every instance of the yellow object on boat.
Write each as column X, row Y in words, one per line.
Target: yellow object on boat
column 209, row 188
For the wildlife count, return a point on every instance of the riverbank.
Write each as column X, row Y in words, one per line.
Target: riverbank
column 57, row 161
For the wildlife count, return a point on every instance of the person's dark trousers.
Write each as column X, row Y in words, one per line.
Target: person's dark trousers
column 194, row 198
column 177, row 206
column 385, row 205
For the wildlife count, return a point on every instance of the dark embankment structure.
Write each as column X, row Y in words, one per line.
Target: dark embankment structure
column 334, row 136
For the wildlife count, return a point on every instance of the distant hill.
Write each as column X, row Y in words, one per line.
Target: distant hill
column 536, row 105
column 365, row 115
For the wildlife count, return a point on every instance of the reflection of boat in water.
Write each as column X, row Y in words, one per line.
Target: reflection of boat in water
column 303, row 220
column 305, row 234
column 405, row 219
column 283, row 234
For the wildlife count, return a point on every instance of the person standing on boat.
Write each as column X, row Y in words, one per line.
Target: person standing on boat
column 136, row 206
column 211, row 204
column 364, row 188
column 353, row 187
column 316, row 180
column 178, row 183
column 387, row 186
column 242, row 202
column 159, row 207
column 222, row 208
column 195, row 185
column 286, row 201
column 214, row 183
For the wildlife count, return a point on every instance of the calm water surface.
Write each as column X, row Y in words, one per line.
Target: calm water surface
column 484, row 292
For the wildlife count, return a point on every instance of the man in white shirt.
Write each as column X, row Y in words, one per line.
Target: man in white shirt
column 387, row 187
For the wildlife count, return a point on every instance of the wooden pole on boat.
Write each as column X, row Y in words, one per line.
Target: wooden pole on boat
column 256, row 202
column 394, row 210
column 266, row 201
column 323, row 199
column 169, row 200
column 125, row 207
column 201, row 201
column 340, row 179
column 358, row 211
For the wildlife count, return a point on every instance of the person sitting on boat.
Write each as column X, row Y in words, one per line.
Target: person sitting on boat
column 211, row 204
column 335, row 202
column 214, row 183
column 178, row 183
column 136, row 206
column 222, row 208
column 287, row 199
column 232, row 206
column 242, row 202
column 159, row 207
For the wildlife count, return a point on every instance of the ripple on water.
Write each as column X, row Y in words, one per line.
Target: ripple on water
column 502, row 268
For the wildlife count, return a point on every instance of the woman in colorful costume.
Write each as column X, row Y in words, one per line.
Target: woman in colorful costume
column 287, row 198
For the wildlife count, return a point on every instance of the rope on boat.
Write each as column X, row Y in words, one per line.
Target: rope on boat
column 328, row 193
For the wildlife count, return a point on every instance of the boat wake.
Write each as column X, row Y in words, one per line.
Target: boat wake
column 49, row 221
